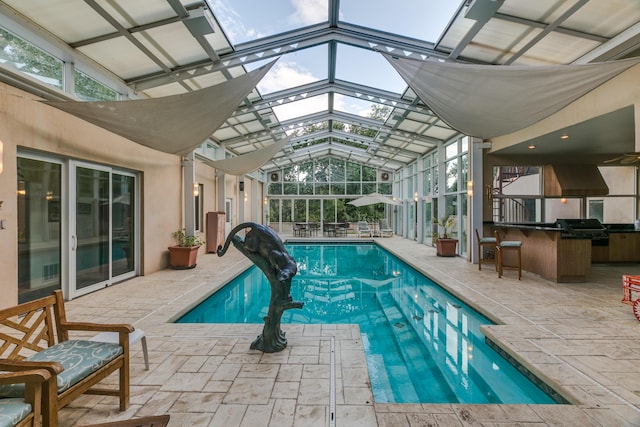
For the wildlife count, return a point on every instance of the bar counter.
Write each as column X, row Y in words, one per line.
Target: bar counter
column 546, row 253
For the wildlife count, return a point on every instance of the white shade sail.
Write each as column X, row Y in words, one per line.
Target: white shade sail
column 493, row 100
column 249, row 162
column 175, row 124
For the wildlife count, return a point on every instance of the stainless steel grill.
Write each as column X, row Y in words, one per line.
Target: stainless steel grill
column 589, row 228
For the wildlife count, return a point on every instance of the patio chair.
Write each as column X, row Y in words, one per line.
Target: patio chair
column 363, row 228
column 385, row 230
column 299, row 230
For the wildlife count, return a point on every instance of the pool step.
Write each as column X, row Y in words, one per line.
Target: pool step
column 421, row 377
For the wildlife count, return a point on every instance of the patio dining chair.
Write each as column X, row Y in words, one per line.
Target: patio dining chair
column 385, row 230
column 363, row 228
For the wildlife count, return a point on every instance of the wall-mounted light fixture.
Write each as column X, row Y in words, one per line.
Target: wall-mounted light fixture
column 415, row 197
column 265, row 201
column 246, row 197
column 49, row 195
column 563, row 200
column 22, row 188
column 469, row 188
column 196, row 189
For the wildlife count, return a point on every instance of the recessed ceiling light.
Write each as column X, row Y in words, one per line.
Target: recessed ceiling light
column 531, row 147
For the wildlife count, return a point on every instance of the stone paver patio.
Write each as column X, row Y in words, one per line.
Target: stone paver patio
column 578, row 338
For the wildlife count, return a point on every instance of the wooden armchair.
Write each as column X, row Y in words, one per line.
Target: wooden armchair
column 22, row 411
column 35, row 335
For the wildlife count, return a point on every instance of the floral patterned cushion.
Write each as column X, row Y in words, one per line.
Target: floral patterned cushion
column 79, row 359
column 13, row 410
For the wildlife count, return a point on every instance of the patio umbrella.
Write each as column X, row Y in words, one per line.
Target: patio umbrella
column 373, row 199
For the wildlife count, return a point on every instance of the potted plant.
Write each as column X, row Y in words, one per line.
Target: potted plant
column 184, row 255
column 445, row 245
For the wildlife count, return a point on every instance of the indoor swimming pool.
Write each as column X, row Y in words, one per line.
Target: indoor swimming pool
column 422, row 344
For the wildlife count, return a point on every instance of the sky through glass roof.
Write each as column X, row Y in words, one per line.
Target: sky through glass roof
column 243, row 21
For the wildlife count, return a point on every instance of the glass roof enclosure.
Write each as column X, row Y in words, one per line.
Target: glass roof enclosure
column 330, row 78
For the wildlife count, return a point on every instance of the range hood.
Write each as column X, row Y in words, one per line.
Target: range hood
column 562, row 180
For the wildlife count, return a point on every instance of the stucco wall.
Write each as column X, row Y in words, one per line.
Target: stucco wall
column 25, row 123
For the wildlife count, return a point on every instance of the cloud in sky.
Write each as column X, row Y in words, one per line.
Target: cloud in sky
column 233, row 23
column 309, row 12
column 284, row 75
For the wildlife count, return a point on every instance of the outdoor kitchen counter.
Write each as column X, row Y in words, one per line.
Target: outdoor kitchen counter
column 546, row 253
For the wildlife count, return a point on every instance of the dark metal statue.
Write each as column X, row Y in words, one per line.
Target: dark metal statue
column 266, row 250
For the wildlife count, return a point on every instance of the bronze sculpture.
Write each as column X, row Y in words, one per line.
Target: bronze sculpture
column 266, row 250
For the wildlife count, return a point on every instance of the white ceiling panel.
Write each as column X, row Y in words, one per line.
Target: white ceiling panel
column 139, row 12
column 173, row 43
column 121, row 57
column 55, row 17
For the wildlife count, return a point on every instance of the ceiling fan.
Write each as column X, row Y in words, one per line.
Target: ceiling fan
column 625, row 159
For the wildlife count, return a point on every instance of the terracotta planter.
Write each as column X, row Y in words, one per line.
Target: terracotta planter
column 446, row 247
column 183, row 257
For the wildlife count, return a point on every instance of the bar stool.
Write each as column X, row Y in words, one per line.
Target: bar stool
column 508, row 245
column 489, row 242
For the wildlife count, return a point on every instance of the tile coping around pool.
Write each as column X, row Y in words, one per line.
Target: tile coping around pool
column 577, row 338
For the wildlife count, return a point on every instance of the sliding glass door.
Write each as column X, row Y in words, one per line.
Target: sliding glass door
column 77, row 226
column 102, row 227
column 40, row 231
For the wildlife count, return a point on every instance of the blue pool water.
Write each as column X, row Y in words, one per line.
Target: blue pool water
column 422, row 344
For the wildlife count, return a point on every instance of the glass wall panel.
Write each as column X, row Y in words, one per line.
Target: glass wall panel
column 289, row 174
column 273, row 217
column 368, row 187
column 290, row 189
column 385, row 188
column 322, row 170
column 300, row 210
column 27, row 58
column 306, row 172
column 322, row 189
column 329, row 210
column 275, row 188
column 427, row 222
column 314, row 210
column 462, row 244
column 286, row 211
column 368, row 173
column 464, row 172
column 39, row 239
column 354, row 188
column 452, row 175
column 306, row 188
column 89, row 89
column 411, row 226
column 353, row 172
column 451, row 209
column 337, row 170
column 337, row 189
column 596, row 209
